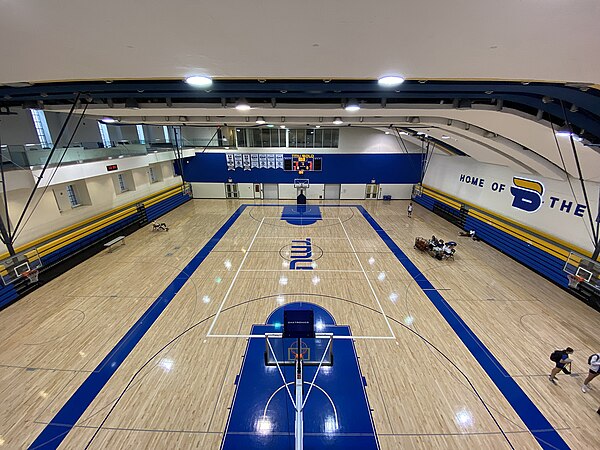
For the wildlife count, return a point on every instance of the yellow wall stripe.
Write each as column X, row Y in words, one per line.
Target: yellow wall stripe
column 81, row 229
column 550, row 238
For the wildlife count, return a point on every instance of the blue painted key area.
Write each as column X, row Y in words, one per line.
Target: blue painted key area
column 301, row 214
column 250, row 428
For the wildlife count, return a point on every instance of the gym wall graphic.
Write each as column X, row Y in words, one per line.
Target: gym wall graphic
column 545, row 204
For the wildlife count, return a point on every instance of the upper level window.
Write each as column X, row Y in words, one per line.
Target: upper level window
column 122, row 183
column 41, row 127
column 166, row 133
column 72, row 193
column 288, row 137
column 105, row 136
column 140, row 132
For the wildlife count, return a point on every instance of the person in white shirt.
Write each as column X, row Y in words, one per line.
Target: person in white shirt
column 594, row 362
column 409, row 209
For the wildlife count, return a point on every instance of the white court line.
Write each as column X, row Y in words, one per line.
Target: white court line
column 367, row 278
column 233, row 281
column 299, row 237
column 307, row 218
column 301, row 271
column 251, row 336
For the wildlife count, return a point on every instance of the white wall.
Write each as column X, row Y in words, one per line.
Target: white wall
column 315, row 192
column 287, row 192
column 246, row 190
column 97, row 194
column 353, row 191
column 208, row 190
column 444, row 173
column 397, row 191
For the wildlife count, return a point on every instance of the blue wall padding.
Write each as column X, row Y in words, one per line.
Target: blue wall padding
column 529, row 255
column 394, row 168
column 9, row 293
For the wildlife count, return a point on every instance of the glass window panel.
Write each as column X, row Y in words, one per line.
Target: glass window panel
column 310, row 138
column 318, row 138
column 327, row 138
column 265, row 138
column 335, row 137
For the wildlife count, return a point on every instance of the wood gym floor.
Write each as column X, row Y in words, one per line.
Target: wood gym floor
column 174, row 392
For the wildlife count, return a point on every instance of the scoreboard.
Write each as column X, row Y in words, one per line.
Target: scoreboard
column 301, row 163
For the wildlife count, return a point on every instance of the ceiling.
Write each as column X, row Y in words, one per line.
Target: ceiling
column 490, row 79
column 546, row 40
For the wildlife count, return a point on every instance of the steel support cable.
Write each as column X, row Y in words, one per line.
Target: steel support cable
column 17, row 233
column 38, row 181
column 579, row 172
column 5, row 200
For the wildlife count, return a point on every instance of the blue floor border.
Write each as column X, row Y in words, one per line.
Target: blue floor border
column 545, row 434
column 62, row 423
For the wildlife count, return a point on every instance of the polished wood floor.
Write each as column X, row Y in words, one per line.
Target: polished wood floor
column 51, row 340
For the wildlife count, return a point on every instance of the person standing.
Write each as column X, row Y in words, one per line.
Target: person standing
column 561, row 358
column 409, row 210
column 594, row 362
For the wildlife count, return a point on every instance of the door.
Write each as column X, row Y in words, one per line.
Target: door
column 231, row 190
column 256, row 190
column 332, row 191
column 372, row 191
column 270, row 191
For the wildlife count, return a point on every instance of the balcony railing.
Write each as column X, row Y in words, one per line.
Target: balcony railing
column 34, row 155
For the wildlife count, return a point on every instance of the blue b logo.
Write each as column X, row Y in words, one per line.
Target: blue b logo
column 527, row 194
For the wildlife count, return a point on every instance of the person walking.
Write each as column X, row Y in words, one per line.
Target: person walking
column 594, row 362
column 409, row 210
column 561, row 358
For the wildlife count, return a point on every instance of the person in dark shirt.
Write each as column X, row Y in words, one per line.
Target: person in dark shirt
column 561, row 358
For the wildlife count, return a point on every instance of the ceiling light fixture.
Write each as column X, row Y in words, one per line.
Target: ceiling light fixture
column 108, row 120
column 199, row 81
column 242, row 105
column 390, row 81
column 338, row 121
column 260, row 120
column 352, row 106
column 445, row 136
column 563, row 131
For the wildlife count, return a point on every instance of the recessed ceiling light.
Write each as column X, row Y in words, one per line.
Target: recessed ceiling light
column 390, row 81
column 317, row 126
column 260, row 120
column 242, row 105
column 445, row 137
column 352, row 106
column 338, row 121
column 387, row 132
column 108, row 120
column 198, row 81
column 281, row 126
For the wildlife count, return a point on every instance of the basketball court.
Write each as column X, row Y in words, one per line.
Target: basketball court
column 161, row 343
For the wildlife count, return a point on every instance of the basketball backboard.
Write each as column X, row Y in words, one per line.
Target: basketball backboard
column 285, row 352
column 14, row 267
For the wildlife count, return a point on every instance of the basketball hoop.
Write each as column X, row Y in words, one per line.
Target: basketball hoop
column 31, row 275
column 574, row 280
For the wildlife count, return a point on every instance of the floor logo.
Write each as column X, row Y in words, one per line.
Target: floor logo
column 301, row 255
column 527, row 194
